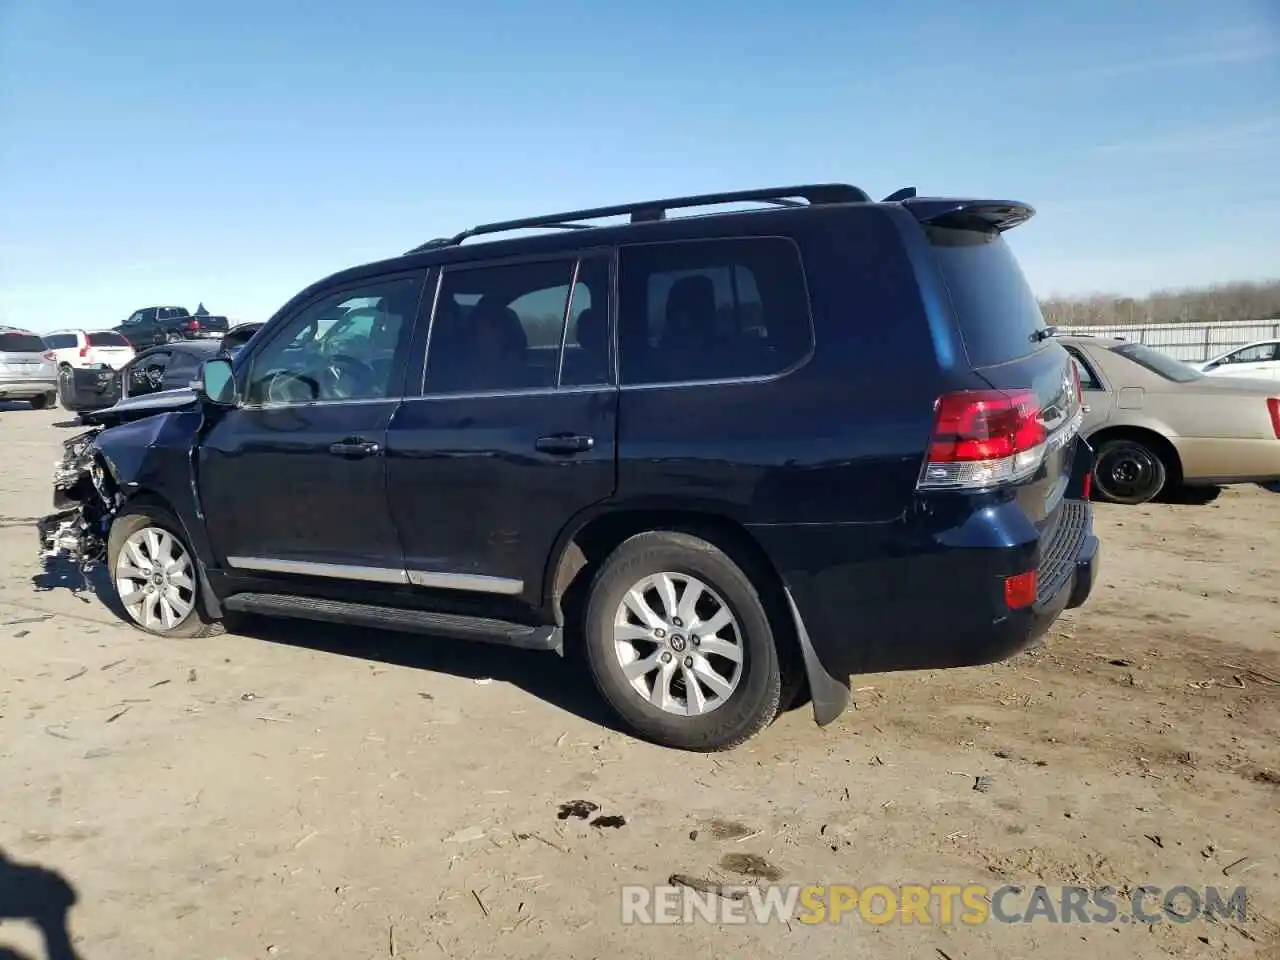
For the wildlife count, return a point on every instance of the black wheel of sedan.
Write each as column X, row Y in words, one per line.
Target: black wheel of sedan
column 1128, row 471
column 680, row 644
column 155, row 573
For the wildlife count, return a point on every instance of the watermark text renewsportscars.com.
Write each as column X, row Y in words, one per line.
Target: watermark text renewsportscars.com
column 930, row 904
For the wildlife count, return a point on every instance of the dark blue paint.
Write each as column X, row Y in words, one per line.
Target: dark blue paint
column 817, row 465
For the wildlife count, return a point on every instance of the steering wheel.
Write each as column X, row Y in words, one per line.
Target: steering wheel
column 349, row 377
column 285, row 387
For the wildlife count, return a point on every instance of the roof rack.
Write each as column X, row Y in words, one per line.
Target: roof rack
column 651, row 210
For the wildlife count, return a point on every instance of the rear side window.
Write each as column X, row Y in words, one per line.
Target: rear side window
column 21, row 343
column 107, row 339
column 1158, row 363
column 711, row 310
column 998, row 314
column 61, row 341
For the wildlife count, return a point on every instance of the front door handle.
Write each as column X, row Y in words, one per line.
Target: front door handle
column 565, row 443
column 354, row 448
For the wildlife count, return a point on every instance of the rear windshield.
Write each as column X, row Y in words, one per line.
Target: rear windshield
column 21, row 343
column 1158, row 363
column 993, row 303
column 107, row 339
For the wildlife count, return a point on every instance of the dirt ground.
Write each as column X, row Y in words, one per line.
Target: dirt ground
column 316, row 793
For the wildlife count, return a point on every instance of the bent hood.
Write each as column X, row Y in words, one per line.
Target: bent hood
column 146, row 405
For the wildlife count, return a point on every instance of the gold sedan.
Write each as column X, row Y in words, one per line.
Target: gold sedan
column 1155, row 422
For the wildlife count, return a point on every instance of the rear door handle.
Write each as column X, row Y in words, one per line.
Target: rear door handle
column 354, row 448
column 565, row 443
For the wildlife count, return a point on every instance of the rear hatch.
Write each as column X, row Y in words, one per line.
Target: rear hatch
column 109, row 348
column 1009, row 345
column 24, row 355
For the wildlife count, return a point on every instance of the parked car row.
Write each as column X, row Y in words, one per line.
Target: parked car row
column 86, row 370
column 168, row 366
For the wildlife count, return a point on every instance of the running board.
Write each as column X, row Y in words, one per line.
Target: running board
column 378, row 617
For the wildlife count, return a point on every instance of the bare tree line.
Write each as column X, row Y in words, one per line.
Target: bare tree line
column 1221, row 303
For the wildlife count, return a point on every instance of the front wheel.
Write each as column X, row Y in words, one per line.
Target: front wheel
column 155, row 574
column 1128, row 471
column 680, row 645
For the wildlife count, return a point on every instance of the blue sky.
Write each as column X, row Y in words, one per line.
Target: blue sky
column 233, row 152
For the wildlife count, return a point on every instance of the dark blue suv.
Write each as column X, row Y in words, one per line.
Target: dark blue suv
column 733, row 458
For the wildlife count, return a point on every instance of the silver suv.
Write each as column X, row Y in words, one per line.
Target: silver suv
column 28, row 370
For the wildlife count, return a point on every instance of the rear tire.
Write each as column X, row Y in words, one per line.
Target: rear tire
column 669, row 683
column 43, row 401
column 155, row 574
column 1128, row 471
column 66, row 388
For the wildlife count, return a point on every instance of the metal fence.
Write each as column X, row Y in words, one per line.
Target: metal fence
column 1191, row 342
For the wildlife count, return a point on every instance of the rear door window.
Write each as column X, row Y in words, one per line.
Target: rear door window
column 997, row 311
column 61, row 341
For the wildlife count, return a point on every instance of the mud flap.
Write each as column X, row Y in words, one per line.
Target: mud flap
column 830, row 695
column 1081, row 471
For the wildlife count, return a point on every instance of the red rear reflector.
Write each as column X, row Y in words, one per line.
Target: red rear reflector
column 1087, row 488
column 1020, row 591
column 982, row 438
column 1273, row 407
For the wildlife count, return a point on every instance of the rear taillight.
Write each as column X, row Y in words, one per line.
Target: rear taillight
column 1086, row 488
column 983, row 438
column 192, row 324
column 1273, row 407
column 49, row 355
column 84, row 351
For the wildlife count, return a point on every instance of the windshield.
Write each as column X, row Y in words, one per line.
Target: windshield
column 1158, row 363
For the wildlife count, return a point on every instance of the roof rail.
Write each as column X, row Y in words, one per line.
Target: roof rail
column 651, row 210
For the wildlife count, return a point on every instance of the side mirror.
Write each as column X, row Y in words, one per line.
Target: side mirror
column 217, row 382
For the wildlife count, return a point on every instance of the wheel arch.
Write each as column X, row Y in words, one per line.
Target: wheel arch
column 586, row 542
column 144, row 495
column 1157, row 441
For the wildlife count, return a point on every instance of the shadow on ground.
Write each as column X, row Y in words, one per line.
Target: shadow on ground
column 39, row 896
column 1189, row 496
column 563, row 682
column 62, row 574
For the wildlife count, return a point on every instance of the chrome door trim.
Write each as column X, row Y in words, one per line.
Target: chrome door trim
column 308, row 568
column 471, row 582
column 467, row 582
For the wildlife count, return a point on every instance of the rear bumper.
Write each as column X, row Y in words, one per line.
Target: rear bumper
column 28, row 387
column 896, row 598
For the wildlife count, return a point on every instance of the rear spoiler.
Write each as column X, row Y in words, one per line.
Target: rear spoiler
column 981, row 214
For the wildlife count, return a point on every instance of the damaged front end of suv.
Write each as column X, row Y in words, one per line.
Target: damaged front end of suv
column 131, row 448
column 85, row 498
